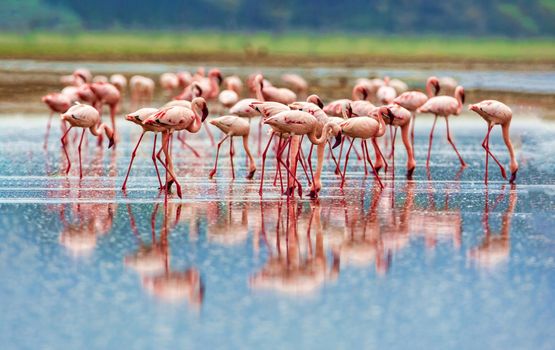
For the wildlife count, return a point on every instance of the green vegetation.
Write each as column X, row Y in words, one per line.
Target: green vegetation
column 174, row 46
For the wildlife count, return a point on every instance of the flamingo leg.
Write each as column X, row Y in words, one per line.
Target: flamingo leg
column 113, row 120
column 65, row 149
column 213, row 171
column 393, row 153
column 185, row 144
column 210, row 135
column 169, row 166
column 338, row 166
column 291, row 176
column 376, row 176
column 379, row 155
column 413, row 122
column 364, row 158
column 231, row 153
column 277, row 150
column 48, row 125
column 333, row 158
column 154, row 160
column 463, row 164
column 264, row 163
column 430, row 142
column 79, row 150
column 345, row 165
column 485, row 145
column 133, row 155
column 309, row 163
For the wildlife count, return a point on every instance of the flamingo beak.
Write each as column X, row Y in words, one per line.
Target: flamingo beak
column 436, row 87
column 319, row 102
column 204, row 112
column 463, row 97
column 220, row 79
column 338, row 139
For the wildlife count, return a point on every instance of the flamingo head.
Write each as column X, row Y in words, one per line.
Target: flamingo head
column 196, row 89
column 360, row 92
column 215, row 73
column 316, row 100
column 386, row 114
column 200, row 103
column 336, row 131
column 80, row 78
column 460, row 92
column 254, row 106
column 434, row 81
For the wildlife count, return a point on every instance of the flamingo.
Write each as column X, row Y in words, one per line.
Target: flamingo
column 142, row 90
column 412, row 100
column 365, row 128
column 178, row 118
column 448, row 85
column 119, row 81
column 401, row 118
column 271, row 93
column 185, row 79
column 230, row 96
column 497, row 113
column 233, row 126
column 85, row 117
column 298, row 123
column 100, row 79
column 138, row 117
column 359, row 103
column 243, row 108
column 444, row 106
column 210, row 85
column 190, row 92
column 57, row 103
column 386, row 93
column 296, row 83
column 169, row 82
column 107, row 93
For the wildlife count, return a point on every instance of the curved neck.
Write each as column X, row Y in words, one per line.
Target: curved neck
column 197, row 122
column 381, row 130
column 429, row 89
column 323, row 136
column 259, row 94
column 507, row 139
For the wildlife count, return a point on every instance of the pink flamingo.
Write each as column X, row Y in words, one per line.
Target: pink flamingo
column 359, row 104
column 119, row 81
column 142, row 90
column 386, row 93
column 299, row 123
column 85, row 117
column 296, row 83
column 190, row 92
column 444, row 106
column 185, row 79
column 57, row 103
column 401, row 118
column 211, row 84
column 243, row 108
column 108, row 94
column 138, row 117
column 175, row 119
column 233, row 126
column 412, row 100
column 230, row 96
column 270, row 93
column 169, row 82
column 497, row 113
column 365, row 128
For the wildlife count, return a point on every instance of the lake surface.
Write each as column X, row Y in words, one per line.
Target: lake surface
column 439, row 262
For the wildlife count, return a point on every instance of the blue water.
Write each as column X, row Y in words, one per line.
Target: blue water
column 441, row 262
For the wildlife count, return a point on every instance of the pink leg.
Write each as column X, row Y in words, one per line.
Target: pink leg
column 79, row 149
column 345, row 165
column 393, row 153
column 124, row 186
column 413, row 121
column 485, row 145
column 48, row 124
column 334, row 159
column 430, row 142
column 379, row 155
column 302, row 160
column 231, row 153
column 259, row 136
column 213, row 171
column 210, row 135
column 365, row 149
column 463, row 164
column 65, row 150
column 292, row 175
column 264, row 163
column 364, row 158
column 184, row 143
column 154, row 160
column 338, row 168
column 113, row 119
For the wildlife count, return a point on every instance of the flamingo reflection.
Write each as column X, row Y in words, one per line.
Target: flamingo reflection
column 152, row 262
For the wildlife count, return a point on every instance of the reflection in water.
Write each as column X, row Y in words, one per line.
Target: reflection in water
column 494, row 248
column 152, row 262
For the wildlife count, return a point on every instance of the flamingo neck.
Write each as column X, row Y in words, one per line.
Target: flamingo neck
column 323, row 136
column 429, row 89
column 197, row 122
column 382, row 128
column 506, row 137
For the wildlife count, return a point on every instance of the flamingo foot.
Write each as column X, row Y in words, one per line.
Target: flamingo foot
column 111, row 143
column 212, row 173
column 513, row 177
column 504, row 173
column 250, row 175
column 409, row 173
column 313, row 194
column 378, row 168
column 289, row 192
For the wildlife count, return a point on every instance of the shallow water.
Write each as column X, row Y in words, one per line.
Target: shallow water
column 440, row 262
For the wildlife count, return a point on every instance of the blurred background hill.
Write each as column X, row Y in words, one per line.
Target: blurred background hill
column 513, row 18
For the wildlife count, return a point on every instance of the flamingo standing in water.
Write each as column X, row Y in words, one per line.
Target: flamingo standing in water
column 138, row 117
column 444, row 106
column 412, row 100
column 230, row 96
column 169, row 82
column 177, row 118
column 233, row 126
column 401, row 118
column 386, row 93
column 271, row 93
column 299, row 123
column 107, row 93
column 85, row 117
column 119, row 81
column 57, row 103
column 365, row 128
column 497, row 113
column 359, row 103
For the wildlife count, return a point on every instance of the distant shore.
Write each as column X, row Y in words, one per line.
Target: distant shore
column 284, row 50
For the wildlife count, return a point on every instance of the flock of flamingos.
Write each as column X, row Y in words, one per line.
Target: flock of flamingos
column 375, row 104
